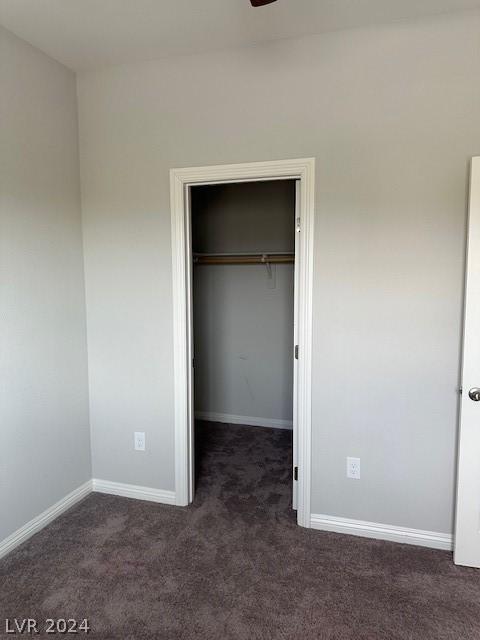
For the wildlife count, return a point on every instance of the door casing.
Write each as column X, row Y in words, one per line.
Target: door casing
column 181, row 180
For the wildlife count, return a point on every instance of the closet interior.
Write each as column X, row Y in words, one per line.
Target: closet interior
column 243, row 257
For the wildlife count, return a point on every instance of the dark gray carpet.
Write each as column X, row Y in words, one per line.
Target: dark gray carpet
column 234, row 565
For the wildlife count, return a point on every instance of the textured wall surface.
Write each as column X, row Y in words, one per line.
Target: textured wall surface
column 44, row 423
column 391, row 115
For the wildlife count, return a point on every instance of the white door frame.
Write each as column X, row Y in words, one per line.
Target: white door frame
column 180, row 181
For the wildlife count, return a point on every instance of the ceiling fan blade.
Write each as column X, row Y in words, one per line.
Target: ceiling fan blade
column 260, row 3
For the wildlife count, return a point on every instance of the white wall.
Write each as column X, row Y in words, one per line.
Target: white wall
column 243, row 314
column 391, row 114
column 44, row 424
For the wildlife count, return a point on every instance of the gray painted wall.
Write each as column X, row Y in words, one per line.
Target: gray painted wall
column 243, row 314
column 392, row 116
column 44, row 423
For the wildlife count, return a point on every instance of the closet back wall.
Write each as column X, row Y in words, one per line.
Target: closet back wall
column 243, row 314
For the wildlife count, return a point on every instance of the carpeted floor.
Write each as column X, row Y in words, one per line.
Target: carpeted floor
column 234, row 565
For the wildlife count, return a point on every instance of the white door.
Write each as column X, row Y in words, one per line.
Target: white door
column 296, row 271
column 467, row 526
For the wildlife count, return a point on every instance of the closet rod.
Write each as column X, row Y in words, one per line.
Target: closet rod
column 244, row 258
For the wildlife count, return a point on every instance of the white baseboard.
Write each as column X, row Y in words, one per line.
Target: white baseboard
column 317, row 521
column 133, row 491
column 41, row 521
column 102, row 486
column 382, row 531
column 228, row 418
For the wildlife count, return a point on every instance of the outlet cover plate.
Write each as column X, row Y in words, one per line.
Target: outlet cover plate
column 353, row 468
column 139, row 440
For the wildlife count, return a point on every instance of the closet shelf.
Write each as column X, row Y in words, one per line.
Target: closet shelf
column 243, row 258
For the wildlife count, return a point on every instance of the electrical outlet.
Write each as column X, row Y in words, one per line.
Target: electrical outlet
column 139, row 440
column 353, row 468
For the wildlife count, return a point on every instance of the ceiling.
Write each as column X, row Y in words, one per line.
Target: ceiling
column 85, row 34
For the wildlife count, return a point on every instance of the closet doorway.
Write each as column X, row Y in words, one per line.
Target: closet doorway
column 227, row 255
column 243, row 243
